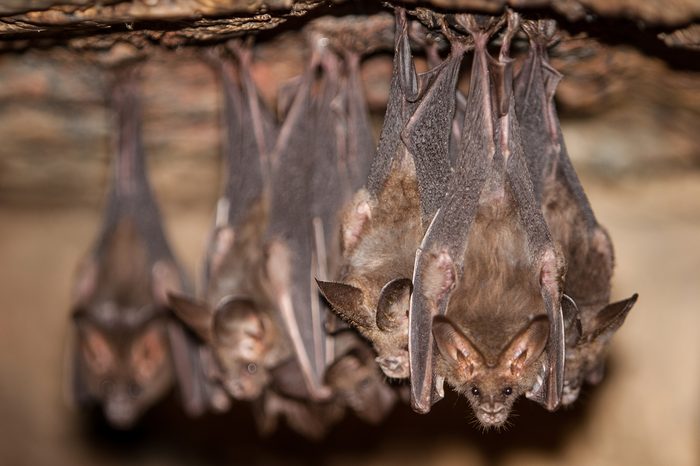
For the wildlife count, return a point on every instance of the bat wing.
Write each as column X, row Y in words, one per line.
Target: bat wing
column 290, row 238
column 360, row 143
column 190, row 377
column 403, row 90
column 427, row 132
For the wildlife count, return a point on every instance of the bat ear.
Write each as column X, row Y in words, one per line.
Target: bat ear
column 195, row 314
column 148, row 353
column 526, row 347
column 611, row 317
column 348, row 302
column 355, row 221
column 166, row 279
column 96, row 349
column 456, row 347
column 392, row 307
column 572, row 322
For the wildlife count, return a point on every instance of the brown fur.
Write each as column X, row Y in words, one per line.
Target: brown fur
column 248, row 341
column 384, row 250
column 495, row 299
column 123, row 354
column 358, row 383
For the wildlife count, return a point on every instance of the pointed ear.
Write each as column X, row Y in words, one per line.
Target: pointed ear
column 526, row 347
column 455, row 347
column 348, row 302
column 611, row 317
column 166, row 279
column 95, row 348
column 195, row 314
column 148, row 353
column 393, row 303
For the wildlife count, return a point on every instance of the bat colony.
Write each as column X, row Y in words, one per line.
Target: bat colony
column 462, row 250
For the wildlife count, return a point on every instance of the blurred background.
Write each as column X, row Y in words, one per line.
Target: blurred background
column 630, row 116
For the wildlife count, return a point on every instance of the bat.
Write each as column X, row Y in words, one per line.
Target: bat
column 296, row 238
column 585, row 243
column 314, row 167
column 357, row 381
column 487, row 277
column 384, row 223
column 127, row 351
column 241, row 331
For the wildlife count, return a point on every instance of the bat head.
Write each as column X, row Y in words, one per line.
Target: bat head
column 386, row 326
column 491, row 387
column 240, row 338
column 356, row 380
column 585, row 357
column 124, row 369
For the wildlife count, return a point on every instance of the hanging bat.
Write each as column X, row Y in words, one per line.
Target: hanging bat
column 127, row 352
column 357, row 381
column 585, row 243
column 385, row 222
column 238, row 324
column 310, row 184
column 487, row 278
column 307, row 194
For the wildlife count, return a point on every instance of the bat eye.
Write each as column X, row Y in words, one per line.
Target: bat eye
column 507, row 391
column 252, row 368
column 475, row 391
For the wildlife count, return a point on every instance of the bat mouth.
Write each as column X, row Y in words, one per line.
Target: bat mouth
column 120, row 416
column 492, row 418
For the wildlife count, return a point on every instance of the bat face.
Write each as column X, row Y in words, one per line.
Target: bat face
column 491, row 385
column 357, row 382
column 240, row 339
column 126, row 370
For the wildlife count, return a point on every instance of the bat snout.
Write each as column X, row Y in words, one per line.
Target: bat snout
column 493, row 415
column 120, row 413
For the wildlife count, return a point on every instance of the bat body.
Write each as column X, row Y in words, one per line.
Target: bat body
column 127, row 351
column 357, row 381
column 585, row 244
column 243, row 335
column 385, row 222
